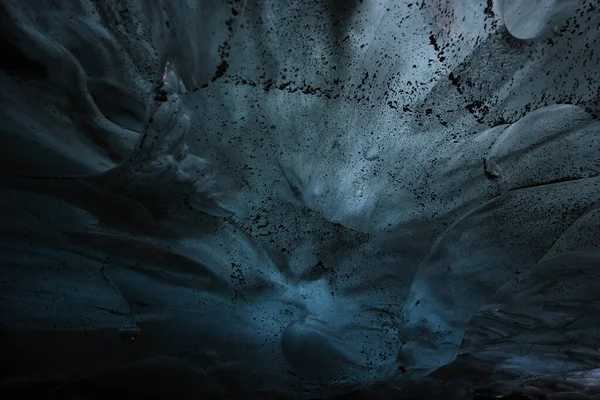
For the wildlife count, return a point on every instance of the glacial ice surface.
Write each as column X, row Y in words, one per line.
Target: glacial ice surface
column 300, row 199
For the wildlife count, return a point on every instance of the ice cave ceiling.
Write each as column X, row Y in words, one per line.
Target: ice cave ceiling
column 294, row 199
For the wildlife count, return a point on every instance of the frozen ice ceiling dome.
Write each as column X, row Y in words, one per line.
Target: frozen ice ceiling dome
column 300, row 199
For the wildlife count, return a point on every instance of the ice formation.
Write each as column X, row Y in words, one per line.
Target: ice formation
column 293, row 199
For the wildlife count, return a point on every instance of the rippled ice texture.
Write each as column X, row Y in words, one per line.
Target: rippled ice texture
column 294, row 198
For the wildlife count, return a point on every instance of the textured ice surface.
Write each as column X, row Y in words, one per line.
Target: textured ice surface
column 292, row 198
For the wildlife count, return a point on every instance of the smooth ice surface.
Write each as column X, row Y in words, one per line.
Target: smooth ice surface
column 301, row 199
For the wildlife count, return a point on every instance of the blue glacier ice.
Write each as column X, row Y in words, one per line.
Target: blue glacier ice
column 300, row 200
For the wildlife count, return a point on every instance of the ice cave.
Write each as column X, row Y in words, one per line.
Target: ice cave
column 300, row 199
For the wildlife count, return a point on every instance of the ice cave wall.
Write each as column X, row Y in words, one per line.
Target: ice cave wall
column 300, row 198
